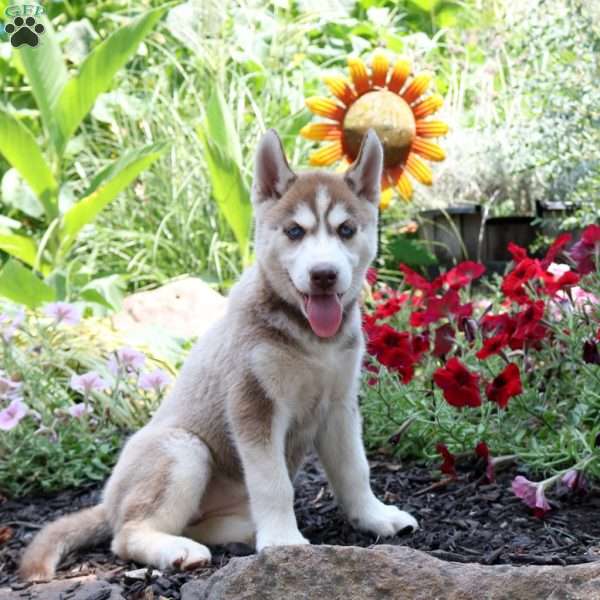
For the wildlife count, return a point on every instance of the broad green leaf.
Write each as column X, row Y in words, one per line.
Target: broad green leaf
column 426, row 5
column 20, row 285
column 22, row 247
column 20, row 149
column 47, row 75
column 230, row 191
column 413, row 253
column 116, row 178
column 220, row 127
column 98, row 69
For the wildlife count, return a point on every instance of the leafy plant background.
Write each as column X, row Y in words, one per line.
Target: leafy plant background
column 163, row 142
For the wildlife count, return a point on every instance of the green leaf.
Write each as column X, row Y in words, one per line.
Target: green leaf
column 47, row 75
column 20, row 149
column 22, row 247
column 230, row 191
column 21, row 286
column 426, row 5
column 220, row 127
column 116, row 178
column 411, row 252
column 98, row 69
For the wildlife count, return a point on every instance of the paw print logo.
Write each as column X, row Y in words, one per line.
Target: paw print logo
column 24, row 31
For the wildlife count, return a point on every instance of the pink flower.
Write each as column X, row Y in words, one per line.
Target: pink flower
column 11, row 324
column 532, row 494
column 78, row 410
column 127, row 359
column 88, row 382
column 63, row 312
column 156, row 380
column 576, row 481
column 11, row 416
column 9, row 389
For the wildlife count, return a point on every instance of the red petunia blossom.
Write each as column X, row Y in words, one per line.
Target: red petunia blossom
column 416, row 281
column 517, row 252
column 590, row 352
column 463, row 274
column 483, row 452
column 493, row 345
column 513, row 284
column 393, row 349
column 420, row 344
column 528, row 321
column 553, row 285
column 555, row 249
column 443, row 341
column 448, row 467
column 576, row 481
column 390, row 306
column 460, row 386
column 505, row 386
column 439, row 308
column 371, row 276
column 585, row 250
column 496, row 324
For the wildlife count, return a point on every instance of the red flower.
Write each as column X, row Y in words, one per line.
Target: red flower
column 552, row 285
column 438, row 308
column 463, row 274
column 505, row 385
column 393, row 349
column 528, row 321
column 590, row 352
column 584, row 251
column 391, row 306
column 444, row 340
column 460, row 386
column 517, row 252
column 420, row 343
column 555, row 249
column 497, row 324
column 415, row 280
column 513, row 284
column 493, row 345
column 448, row 466
column 483, row 452
column 371, row 276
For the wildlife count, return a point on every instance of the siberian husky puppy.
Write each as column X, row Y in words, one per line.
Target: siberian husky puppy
column 275, row 377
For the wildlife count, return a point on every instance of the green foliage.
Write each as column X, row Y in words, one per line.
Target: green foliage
column 63, row 102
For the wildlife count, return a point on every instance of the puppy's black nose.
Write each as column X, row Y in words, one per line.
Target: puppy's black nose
column 323, row 277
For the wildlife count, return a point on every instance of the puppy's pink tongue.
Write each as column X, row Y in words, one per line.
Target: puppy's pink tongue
column 324, row 314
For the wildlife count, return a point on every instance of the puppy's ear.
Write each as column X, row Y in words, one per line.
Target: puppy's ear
column 364, row 176
column 272, row 174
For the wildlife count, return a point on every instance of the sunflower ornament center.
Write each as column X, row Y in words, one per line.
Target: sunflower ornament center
column 391, row 118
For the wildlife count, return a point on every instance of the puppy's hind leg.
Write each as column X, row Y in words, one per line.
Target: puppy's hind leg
column 156, row 510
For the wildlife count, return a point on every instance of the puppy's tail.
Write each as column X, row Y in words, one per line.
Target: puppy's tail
column 87, row 527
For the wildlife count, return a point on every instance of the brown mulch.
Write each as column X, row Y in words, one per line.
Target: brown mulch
column 468, row 520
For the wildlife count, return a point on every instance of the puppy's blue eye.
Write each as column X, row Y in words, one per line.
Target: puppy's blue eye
column 346, row 231
column 295, row 233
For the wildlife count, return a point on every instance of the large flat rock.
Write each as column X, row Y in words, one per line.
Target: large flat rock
column 382, row 572
column 81, row 588
column 185, row 308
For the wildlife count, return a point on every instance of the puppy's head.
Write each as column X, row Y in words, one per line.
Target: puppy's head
column 316, row 232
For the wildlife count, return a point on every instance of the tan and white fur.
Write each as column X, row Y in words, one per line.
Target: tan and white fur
column 274, row 378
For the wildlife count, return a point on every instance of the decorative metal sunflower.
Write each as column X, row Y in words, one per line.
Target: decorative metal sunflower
column 392, row 102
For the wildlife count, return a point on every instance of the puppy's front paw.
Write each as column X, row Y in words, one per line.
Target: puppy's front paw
column 275, row 538
column 384, row 520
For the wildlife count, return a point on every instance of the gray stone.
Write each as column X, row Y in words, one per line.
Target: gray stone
column 80, row 588
column 185, row 308
column 382, row 572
